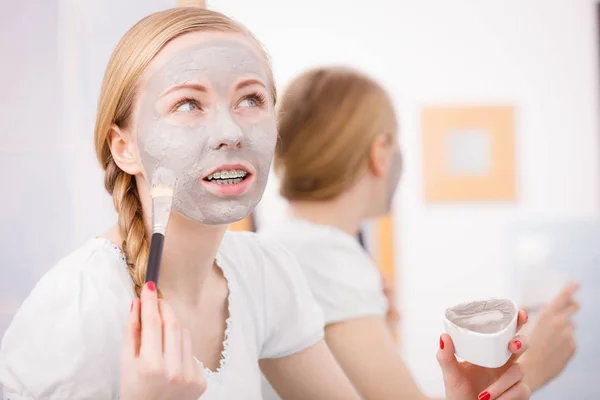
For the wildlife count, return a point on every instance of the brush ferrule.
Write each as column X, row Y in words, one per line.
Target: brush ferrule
column 161, row 210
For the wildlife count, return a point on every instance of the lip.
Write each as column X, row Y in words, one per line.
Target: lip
column 236, row 189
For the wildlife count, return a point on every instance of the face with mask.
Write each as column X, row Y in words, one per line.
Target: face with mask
column 385, row 173
column 207, row 115
column 393, row 175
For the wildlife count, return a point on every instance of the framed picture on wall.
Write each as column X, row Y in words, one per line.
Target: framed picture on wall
column 468, row 153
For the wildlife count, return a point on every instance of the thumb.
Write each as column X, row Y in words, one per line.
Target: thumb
column 448, row 363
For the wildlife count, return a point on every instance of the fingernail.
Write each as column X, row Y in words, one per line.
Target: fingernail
column 131, row 306
column 518, row 344
column 526, row 316
column 485, row 396
column 441, row 343
column 151, row 286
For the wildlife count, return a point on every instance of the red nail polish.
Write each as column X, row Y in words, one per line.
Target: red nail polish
column 151, row 286
column 485, row 396
column 441, row 343
column 518, row 344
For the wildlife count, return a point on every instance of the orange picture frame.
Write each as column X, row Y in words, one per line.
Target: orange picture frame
column 495, row 127
column 246, row 224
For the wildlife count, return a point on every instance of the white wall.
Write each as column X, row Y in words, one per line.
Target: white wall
column 53, row 57
column 539, row 56
column 30, row 140
column 89, row 33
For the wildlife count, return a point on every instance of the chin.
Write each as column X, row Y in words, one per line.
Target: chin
column 220, row 214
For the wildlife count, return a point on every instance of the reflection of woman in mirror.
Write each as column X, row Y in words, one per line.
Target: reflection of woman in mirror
column 339, row 162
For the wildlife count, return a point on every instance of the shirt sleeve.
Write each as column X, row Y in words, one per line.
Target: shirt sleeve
column 65, row 340
column 293, row 320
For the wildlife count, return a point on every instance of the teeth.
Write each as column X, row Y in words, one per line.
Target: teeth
column 228, row 181
column 224, row 175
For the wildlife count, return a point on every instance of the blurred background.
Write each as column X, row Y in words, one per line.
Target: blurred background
column 537, row 59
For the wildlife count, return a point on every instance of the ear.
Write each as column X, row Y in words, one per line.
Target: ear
column 122, row 151
column 379, row 155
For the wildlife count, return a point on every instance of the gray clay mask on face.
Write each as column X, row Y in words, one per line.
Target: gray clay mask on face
column 394, row 175
column 199, row 114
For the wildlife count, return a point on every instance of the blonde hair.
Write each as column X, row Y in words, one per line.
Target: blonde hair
column 121, row 80
column 328, row 120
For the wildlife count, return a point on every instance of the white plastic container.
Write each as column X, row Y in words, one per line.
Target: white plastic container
column 482, row 330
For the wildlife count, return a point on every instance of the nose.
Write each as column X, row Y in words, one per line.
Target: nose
column 228, row 135
column 229, row 141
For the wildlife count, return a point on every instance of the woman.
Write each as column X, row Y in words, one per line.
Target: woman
column 191, row 91
column 339, row 162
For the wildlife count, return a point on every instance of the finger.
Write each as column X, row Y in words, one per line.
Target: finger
column 564, row 297
column 521, row 319
column 448, row 363
column 512, row 376
column 191, row 366
column 385, row 282
column 131, row 340
column 518, row 346
column 152, row 338
column 570, row 309
column 173, row 342
column 520, row 391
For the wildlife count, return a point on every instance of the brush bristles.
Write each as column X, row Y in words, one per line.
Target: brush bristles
column 158, row 191
column 163, row 183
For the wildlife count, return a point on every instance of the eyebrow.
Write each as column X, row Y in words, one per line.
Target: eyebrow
column 185, row 85
column 249, row 82
column 202, row 88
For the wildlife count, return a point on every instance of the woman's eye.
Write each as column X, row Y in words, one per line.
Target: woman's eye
column 248, row 102
column 187, row 107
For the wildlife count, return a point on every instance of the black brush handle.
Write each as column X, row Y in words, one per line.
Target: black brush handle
column 156, row 249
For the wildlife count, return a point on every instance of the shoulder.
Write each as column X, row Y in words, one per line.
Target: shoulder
column 258, row 263
column 95, row 270
column 319, row 247
column 287, row 316
column 327, row 254
column 69, row 329
column 252, row 253
column 343, row 278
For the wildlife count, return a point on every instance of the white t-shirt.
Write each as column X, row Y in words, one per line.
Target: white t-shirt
column 342, row 276
column 65, row 340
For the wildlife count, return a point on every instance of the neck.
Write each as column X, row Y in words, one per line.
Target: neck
column 344, row 212
column 188, row 258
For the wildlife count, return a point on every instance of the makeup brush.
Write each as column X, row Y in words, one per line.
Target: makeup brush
column 163, row 187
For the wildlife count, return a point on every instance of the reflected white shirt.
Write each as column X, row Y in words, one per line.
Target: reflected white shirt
column 340, row 273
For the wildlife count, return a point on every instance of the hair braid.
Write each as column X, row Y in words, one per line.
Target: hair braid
column 123, row 189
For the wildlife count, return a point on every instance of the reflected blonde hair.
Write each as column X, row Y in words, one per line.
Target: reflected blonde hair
column 328, row 120
column 117, row 97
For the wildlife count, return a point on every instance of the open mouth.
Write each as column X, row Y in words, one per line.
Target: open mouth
column 228, row 177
